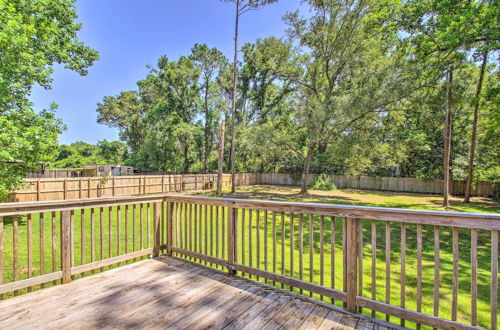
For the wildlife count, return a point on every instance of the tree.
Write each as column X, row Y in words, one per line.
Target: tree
column 347, row 70
column 440, row 32
column 33, row 37
column 26, row 139
column 125, row 112
column 241, row 7
column 210, row 61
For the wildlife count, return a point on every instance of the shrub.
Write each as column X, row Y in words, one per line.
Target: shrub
column 323, row 182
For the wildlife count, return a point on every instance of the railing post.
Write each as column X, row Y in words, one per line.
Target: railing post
column 66, row 246
column 351, row 263
column 170, row 230
column 157, row 240
column 231, row 239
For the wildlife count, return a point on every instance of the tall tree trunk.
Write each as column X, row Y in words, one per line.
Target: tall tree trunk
column 447, row 139
column 186, row 157
column 307, row 165
column 233, row 105
column 220, row 161
column 207, row 130
column 468, row 185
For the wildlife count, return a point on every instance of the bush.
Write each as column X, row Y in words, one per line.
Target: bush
column 323, row 182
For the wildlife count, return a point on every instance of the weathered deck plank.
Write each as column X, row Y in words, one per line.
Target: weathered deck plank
column 168, row 293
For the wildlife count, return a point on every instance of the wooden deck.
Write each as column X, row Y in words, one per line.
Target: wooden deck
column 170, row 293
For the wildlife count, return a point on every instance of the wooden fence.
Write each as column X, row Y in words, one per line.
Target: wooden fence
column 91, row 187
column 411, row 185
column 409, row 267
column 75, row 188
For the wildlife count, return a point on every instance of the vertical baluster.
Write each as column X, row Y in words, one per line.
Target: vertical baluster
column 274, row 243
column 175, row 227
column 243, row 236
column 211, row 231
column 301, row 248
column 265, row 243
column 454, row 300
column 387, row 266
column 189, row 208
column 332, row 255
column 360, row 258
column 118, row 229
column 282, row 245
column 1, row 252
column 419, row 270
column 258, row 239
column 54, row 244
column 292, row 247
column 163, row 220
column 195, row 224
column 223, row 233
column 110, row 232
column 126, row 228
column 30, row 248
column 134, row 226
column 473, row 288
column 148, row 224
column 15, row 247
column 141, row 225
column 250, row 240
column 403, row 269
column 82, row 237
column 344, row 256
column 101, row 233
column 92, row 235
column 217, row 220
column 42, row 246
column 311, row 250
column 321, row 252
column 71, row 238
column 234, row 235
column 205, row 218
column 494, row 279
column 437, row 268
column 374, row 262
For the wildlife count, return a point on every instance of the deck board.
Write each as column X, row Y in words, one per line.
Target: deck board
column 169, row 293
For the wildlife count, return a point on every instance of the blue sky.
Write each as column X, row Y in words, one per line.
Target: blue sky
column 130, row 34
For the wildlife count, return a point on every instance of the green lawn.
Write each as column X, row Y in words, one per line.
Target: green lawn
column 213, row 226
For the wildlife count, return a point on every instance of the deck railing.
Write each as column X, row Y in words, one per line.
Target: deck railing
column 416, row 268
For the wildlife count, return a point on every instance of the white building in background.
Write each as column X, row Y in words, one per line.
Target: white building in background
column 111, row 169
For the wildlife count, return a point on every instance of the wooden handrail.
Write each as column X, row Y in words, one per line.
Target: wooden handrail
column 185, row 221
column 486, row 221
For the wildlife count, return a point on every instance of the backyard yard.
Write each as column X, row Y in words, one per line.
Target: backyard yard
column 266, row 239
column 363, row 197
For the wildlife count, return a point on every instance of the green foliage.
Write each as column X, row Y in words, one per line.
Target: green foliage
column 323, row 182
column 34, row 35
column 26, row 138
column 79, row 154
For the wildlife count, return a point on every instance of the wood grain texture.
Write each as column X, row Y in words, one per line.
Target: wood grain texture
column 185, row 296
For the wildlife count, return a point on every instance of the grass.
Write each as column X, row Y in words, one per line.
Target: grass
column 386, row 199
column 364, row 197
column 213, row 227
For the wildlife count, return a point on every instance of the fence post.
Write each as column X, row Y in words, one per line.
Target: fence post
column 157, row 240
column 170, row 228
column 162, row 183
column 65, row 188
column 232, row 239
column 66, row 246
column 351, row 264
column 113, row 189
column 80, row 188
column 38, row 193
